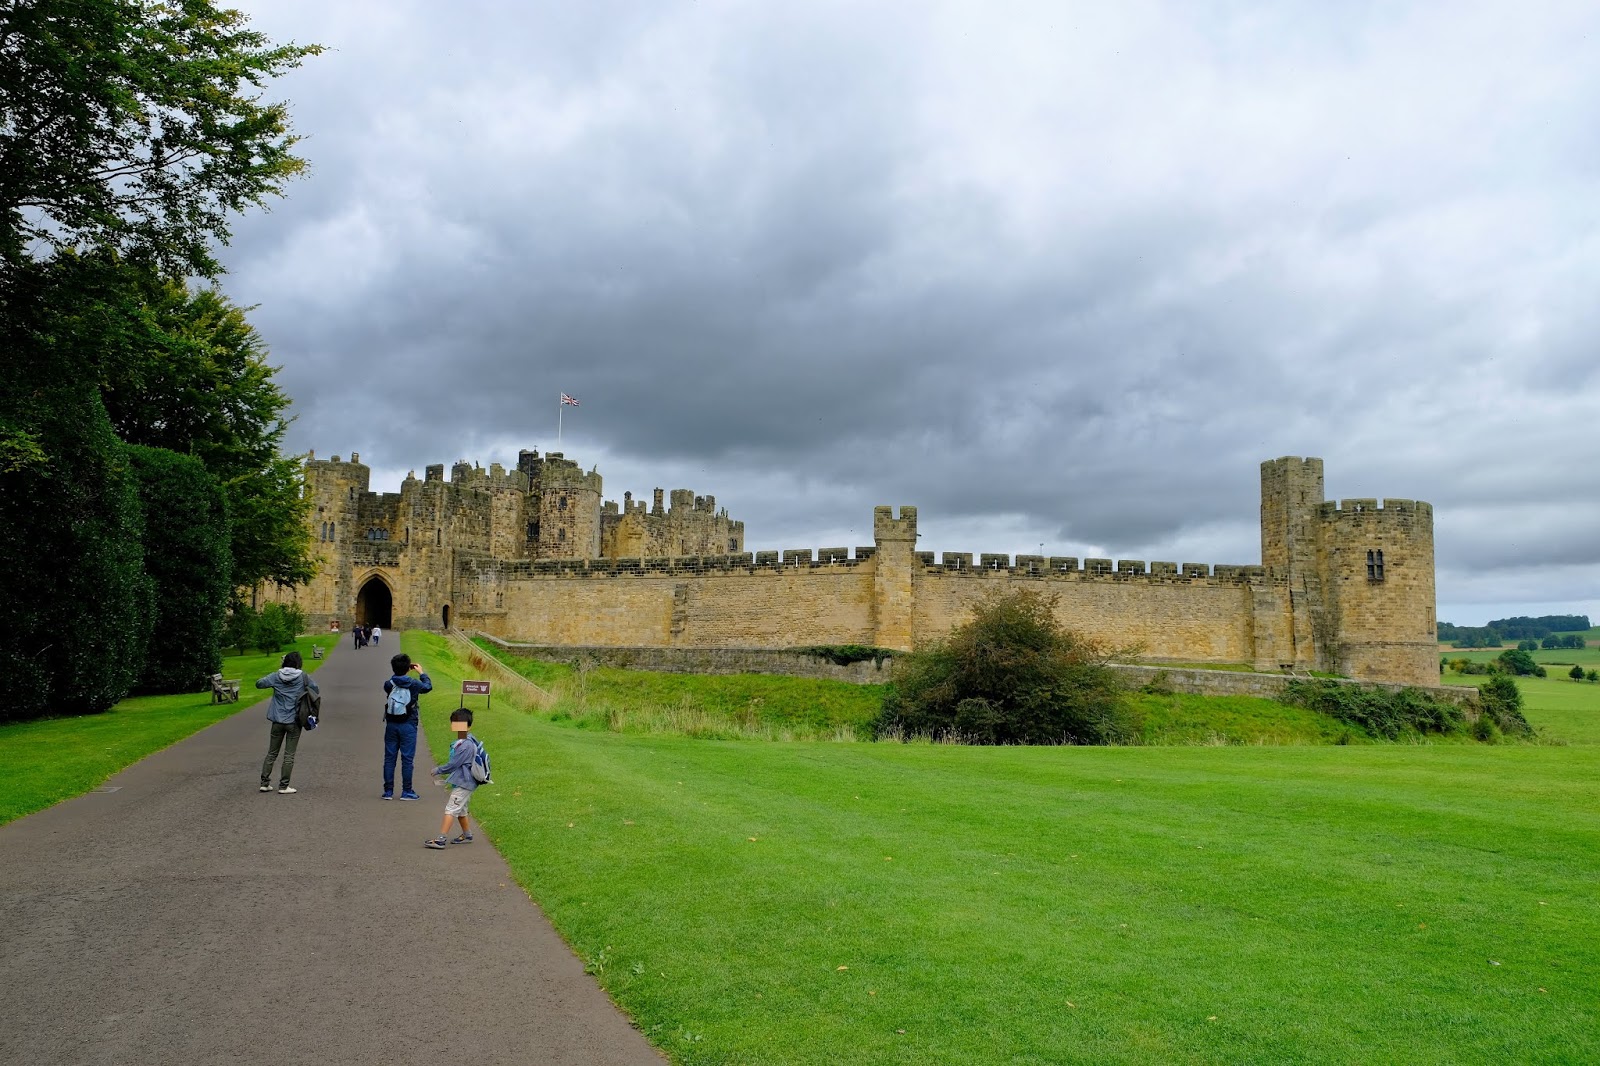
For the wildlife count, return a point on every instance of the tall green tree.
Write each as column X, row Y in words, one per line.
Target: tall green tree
column 130, row 131
column 137, row 127
column 197, row 381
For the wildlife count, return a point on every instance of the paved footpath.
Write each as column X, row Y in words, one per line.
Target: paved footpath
column 188, row 918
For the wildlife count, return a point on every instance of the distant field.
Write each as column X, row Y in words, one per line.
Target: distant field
column 1559, row 707
column 1564, row 709
column 822, row 903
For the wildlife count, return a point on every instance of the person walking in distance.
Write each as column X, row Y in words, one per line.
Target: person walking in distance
column 287, row 685
column 377, row 631
column 400, row 720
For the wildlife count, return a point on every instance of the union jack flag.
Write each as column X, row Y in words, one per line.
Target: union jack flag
column 568, row 400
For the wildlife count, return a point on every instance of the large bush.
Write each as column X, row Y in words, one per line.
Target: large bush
column 1011, row 675
column 1500, row 702
column 1380, row 713
column 188, row 560
column 76, row 604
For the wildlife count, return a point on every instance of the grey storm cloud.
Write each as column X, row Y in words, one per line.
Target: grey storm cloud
column 1058, row 274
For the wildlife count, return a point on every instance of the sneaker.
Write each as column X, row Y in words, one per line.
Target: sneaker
column 409, row 795
column 464, row 838
column 266, row 788
column 436, row 843
column 287, row 790
column 388, row 793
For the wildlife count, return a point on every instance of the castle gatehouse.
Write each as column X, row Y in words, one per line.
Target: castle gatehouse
column 534, row 554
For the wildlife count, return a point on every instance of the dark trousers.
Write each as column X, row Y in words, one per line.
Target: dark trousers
column 281, row 731
column 399, row 738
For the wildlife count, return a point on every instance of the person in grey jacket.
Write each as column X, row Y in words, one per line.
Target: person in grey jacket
column 287, row 684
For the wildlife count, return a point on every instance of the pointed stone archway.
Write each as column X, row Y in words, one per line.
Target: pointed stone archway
column 375, row 604
column 447, row 616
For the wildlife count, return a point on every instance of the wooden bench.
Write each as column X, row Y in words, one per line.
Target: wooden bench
column 224, row 689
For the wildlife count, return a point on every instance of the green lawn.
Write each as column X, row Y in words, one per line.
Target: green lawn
column 818, row 902
column 54, row 759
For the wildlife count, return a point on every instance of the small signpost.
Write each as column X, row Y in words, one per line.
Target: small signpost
column 476, row 688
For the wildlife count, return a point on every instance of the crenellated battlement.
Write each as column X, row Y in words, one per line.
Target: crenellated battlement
column 1369, row 508
column 1066, row 566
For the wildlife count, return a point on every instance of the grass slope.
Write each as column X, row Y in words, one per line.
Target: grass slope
column 53, row 759
column 761, row 706
column 886, row 903
column 725, row 705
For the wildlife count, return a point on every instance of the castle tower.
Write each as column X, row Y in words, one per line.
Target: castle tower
column 569, row 510
column 1293, row 633
column 336, row 489
column 1377, row 567
column 893, row 591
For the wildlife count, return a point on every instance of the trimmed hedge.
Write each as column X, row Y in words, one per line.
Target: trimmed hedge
column 188, row 558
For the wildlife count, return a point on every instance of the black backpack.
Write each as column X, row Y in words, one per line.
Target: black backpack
column 308, row 708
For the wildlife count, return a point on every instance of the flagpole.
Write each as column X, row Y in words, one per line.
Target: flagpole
column 559, row 413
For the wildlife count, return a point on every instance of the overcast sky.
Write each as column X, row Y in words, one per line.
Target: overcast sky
column 1060, row 274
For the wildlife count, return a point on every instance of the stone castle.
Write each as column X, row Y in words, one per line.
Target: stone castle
column 533, row 554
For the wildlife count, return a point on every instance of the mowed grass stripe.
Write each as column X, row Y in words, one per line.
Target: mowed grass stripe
column 1308, row 904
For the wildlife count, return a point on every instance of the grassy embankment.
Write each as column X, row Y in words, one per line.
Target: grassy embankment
column 53, row 759
column 820, row 902
column 763, row 707
column 1561, row 708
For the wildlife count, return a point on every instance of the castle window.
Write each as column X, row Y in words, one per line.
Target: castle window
column 333, row 530
column 1375, row 565
column 438, row 537
column 561, row 534
column 533, row 531
column 408, row 534
column 561, row 504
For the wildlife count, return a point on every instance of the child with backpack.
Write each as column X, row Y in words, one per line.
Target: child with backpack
column 400, row 721
column 467, row 768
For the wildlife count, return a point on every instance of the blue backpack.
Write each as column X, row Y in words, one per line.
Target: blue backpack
column 480, row 763
column 399, row 702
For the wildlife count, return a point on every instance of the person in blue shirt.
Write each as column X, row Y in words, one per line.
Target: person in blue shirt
column 457, row 773
column 400, row 720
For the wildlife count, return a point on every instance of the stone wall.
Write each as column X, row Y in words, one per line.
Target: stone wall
column 706, row 661
column 1267, row 686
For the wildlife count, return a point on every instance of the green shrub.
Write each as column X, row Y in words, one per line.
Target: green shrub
column 1500, row 700
column 1379, row 712
column 239, row 628
column 275, row 626
column 1519, row 662
column 845, row 654
column 1011, row 675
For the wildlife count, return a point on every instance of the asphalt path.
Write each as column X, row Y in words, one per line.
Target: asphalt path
column 186, row 917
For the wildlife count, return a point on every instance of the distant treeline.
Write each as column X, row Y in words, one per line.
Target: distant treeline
column 1500, row 630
